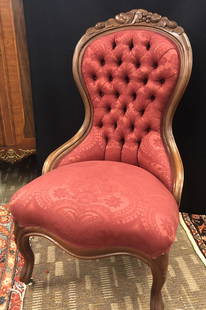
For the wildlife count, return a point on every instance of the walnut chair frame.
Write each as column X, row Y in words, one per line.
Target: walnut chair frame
column 141, row 19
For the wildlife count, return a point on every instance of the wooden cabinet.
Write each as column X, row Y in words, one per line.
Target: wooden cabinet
column 16, row 116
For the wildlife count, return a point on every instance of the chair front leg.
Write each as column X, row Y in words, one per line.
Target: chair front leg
column 159, row 268
column 23, row 245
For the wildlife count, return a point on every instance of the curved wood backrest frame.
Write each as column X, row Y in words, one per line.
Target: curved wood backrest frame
column 140, row 19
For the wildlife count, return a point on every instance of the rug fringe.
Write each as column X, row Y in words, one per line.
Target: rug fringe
column 21, row 294
column 191, row 239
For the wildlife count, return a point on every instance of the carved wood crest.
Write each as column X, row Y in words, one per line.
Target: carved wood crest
column 136, row 17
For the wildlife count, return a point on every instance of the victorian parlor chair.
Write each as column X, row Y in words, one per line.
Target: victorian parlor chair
column 114, row 188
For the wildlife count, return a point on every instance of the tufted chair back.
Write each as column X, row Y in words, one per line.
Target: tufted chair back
column 130, row 75
column 127, row 76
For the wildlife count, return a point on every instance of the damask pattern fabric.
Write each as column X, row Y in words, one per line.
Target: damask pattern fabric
column 101, row 204
column 129, row 76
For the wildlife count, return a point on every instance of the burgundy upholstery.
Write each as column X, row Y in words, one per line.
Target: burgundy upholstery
column 101, row 204
column 98, row 197
column 130, row 76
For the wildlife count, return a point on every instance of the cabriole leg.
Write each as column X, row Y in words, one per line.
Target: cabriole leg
column 159, row 271
column 23, row 245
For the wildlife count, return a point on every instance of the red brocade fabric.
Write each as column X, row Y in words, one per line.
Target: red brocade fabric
column 129, row 76
column 101, row 204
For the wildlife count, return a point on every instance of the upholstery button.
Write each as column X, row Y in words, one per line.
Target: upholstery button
column 110, row 78
column 145, row 80
column 102, row 61
column 127, row 79
column 115, row 124
column 155, row 65
column 152, row 98
column 132, row 126
column 124, row 108
column 119, row 61
column 131, row 45
column 148, row 45
column 148, row 129
column 108, row 108
column 114, row 44
column 94, row 77
column 122, row 141
column 133, row 95
column 106, row 138
column 101, row 94
column 162, row 81
column 100, row 125
column 117, row 94
column 141, row 112
column 137, row 64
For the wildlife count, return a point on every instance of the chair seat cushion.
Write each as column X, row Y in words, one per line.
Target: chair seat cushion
column 101, row 204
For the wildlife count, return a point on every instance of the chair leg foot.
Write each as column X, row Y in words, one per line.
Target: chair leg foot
column 156, row 303
column 159, row 271
column 23, row 245
column 28, row 255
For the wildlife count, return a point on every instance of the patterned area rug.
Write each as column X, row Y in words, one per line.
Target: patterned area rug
column 11, row 290
column 195, row 227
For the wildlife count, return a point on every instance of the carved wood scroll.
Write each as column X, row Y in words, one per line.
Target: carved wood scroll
column 133, row 17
